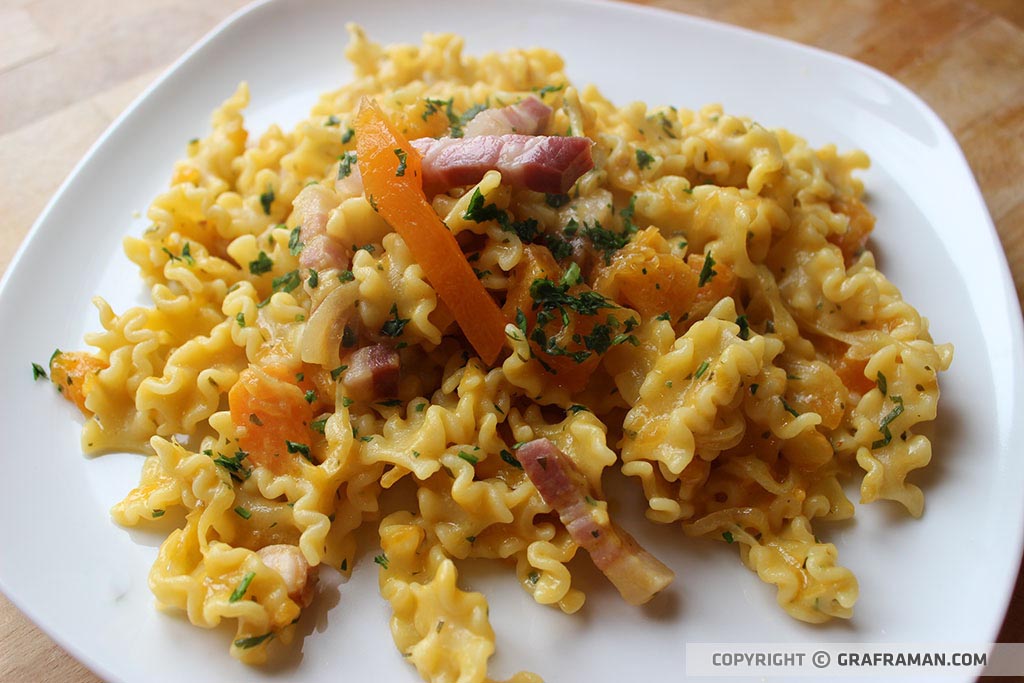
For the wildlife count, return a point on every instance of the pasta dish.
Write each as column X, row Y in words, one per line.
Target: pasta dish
column 470, row 285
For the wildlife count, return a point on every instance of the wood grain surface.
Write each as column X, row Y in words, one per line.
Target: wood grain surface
column 68, row 68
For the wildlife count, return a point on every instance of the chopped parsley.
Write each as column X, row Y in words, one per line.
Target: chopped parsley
column 605, row 241
column 332, row 120
column 240, row 319
column 707, row 271
column 319, row 426
column 287, row 282
column 156, row 514
column 267, row 199
column 402, row 158
column 744, row 332
column 382, row 560
column 532, row 578
column 789, row 408
column 233, row 464
column 242, row 512
column 664, row 316
column 348, row 337
column 887, row 420
column 186, row 254
column 239, row 592
column 558, row 247
column 262, row 264
column 346, row 276
column 346, row 161
column 549, row 88
column 477, row 211
column 556, row 201
column 336, row 372
column 572, row 276
column 347, row 136
column 300, row 449
column 314, row 278
column 38, row 372
column 310, row 396
column 252, row 641
column 643, row 159
column 701, row 369
column 727, row 535
column 294, row 245
column 395, row 325
column 390, row 403
column 510, row 459
column 883, row 385
column 469, row 457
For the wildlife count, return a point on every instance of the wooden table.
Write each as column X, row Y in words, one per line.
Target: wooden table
column 68, row 68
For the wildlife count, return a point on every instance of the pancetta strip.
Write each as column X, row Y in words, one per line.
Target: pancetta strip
column 636, row 573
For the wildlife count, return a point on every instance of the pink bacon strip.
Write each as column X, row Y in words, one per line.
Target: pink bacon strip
column 636, row 573
column 538, row 162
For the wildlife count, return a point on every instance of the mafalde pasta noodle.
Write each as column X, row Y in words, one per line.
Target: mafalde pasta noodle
column 468, row 280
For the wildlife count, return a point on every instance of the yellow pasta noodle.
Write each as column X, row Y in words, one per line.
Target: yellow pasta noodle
column 699, row 310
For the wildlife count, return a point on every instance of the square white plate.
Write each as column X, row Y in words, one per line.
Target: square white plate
column 945, row 578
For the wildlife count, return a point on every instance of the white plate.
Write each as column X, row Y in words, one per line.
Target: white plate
column 945, row 578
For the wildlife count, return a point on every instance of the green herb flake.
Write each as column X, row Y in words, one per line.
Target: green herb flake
column 300, row 448
column 314, row 278
column 572, row 276
column 349, row 338
column 346, row 161
column 252, row 641
column 556, row 201
column 346, row 276
column 883, row 385
column 319, row 426
column 789, row 408
column 239, row 592
column 744, row 332
column 336, row 372
column 887, row 420
column 753, row 389
column 395, row 325
column 267, row 199
column 240, row 319
column 332, row 120
column 701, row 369
column 294, row 245
column 643, row 159
column 156, row 514
column 402, row 158
column 287, row 282
column 469, row 457
column 532, row 578
column 310, row 396
column 262, row 264
column 346, row 401
column 420, row 407
column 186, row 254
column 233, row 464
column 707, row 271
column 38, row 372
column 382, row 560
column 727, row 535
column 242, row 512
column 510, row 459
column 347, row 136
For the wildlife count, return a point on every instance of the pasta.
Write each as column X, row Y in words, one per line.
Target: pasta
column 699, row 309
